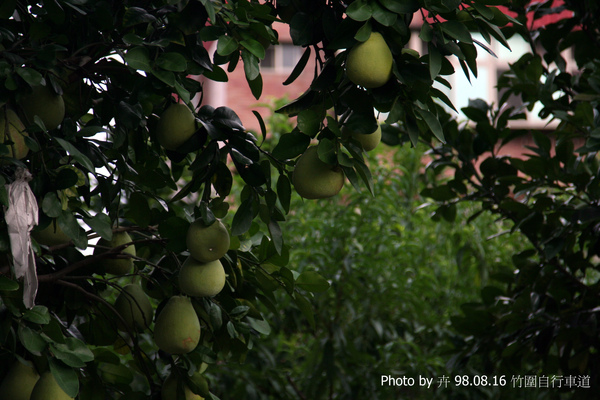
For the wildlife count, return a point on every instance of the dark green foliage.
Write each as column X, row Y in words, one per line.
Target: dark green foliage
column 544, row 320
column 120, row 64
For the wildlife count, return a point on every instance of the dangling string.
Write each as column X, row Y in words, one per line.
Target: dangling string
column 21, row 216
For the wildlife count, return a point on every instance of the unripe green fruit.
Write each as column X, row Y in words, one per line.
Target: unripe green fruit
column 314, row 179
column 19, row 382
column 117, row 266
column 207, row 243
column 51, row 235
column 44, row 103
column 177, row 327
column 369, row 63
column 177, row 124
column 169, row 390
column 368, row 141
column 47, row 388
column 201, row 279
column 16, row 133
column 134, row 306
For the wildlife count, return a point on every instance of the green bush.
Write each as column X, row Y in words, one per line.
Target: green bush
column 397, row 278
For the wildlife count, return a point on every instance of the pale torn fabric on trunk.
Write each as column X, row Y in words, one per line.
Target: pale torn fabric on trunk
column 21, row 216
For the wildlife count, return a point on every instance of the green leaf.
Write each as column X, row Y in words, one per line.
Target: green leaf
column 218, row 74
column 138, row 209
column 261, row 123
column 66, row 178
column 312, row 281
column 7, row 284
column 401, row 7
column 31, row 76
column 426, row 33
column 383, row 16
column 287, row 277
column 291, row 145
column 256, row 86
column 168, row 77
column 260, row 326
column 457, row 30
column 38, row 315
column 301, row 103
column 494, row 31
column 363, row 34
column 302, row 29
column 172, row 61
column 254, row 47
column 413, row 130
column 309, row 122
column 51, row 205
column 284, row 192
column 210, row 9
column 63, row 353
column 433, row 123
column 138, row 58
column 276, row 235
column 174, row 229
column 470, row 53
column 101, row 224
column 69, row 225
column 435, row 60
column 300, row 65
column 242, row 220
column 226, row 45
column 31, row 340
column 115, row 374
column 486, row 12
column 306, row 308
column 365, row 174
column 79, row 348
column 134, row 16
column 251, row 65
column 326, row 151
column 76, row 154
column 132, row 38
column 359, row 10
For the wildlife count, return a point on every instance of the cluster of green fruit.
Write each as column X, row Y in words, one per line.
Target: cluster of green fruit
column 177, row 328
column 42, row 102
column 368, row 64
column 24, row 383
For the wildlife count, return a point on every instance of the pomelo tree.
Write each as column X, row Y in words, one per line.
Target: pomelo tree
column 112, row 70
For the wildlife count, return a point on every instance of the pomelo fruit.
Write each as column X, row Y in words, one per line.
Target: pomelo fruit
column 18, row 382
column 177, row 327
column 177, row 124
column 47, row 388
column 201, row 279
column 368, row 141
column 369, row 63
column 169, row 390
column 315, row 179
column 15, row 133
column 135, row 307
column 46, row 104
column 207, row 243
column 116, row 266
column 51, row 235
